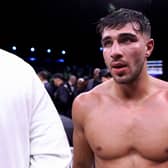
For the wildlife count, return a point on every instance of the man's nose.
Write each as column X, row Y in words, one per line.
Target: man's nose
column 116, row 52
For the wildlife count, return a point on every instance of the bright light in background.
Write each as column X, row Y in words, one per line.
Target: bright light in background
column 32, row 49
column 101, row 48
column 14, row 48
column 155, row 67
column 48, row 50
column 63, row 52
column 61, row 60
column 32, row 59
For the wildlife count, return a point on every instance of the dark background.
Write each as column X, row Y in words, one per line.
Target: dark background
column 71, row 25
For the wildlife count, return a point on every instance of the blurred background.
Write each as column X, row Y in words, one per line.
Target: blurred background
column 56, row 35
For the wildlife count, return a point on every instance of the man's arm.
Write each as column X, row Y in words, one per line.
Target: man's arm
column 83, row 156
column 49, row 146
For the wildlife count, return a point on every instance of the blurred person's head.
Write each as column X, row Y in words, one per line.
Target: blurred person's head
column 44, row 75
column 58, row 79
column 105, row 75
column 96, row 72
column 72, row 79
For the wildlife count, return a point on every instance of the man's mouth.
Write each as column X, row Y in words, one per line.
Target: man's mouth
column 118, row 67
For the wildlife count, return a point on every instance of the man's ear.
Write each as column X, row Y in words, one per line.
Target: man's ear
column 149, row 47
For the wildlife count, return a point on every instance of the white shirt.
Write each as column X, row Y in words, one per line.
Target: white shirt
column 31, row 131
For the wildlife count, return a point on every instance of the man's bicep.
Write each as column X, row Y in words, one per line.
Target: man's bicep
column 83, row 156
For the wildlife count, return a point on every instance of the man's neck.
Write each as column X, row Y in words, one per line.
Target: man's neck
column 134, row 91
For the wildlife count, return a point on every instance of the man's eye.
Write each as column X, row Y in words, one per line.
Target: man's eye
column 107, row 44
column 127, row 40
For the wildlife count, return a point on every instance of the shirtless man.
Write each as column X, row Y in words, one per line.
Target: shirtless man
column 123, row 123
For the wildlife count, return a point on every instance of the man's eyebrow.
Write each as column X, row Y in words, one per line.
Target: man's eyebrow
column 127, row 35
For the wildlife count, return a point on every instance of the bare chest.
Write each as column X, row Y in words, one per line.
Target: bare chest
column 118, row 131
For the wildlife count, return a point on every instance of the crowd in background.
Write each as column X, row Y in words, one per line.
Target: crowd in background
column 64, row 88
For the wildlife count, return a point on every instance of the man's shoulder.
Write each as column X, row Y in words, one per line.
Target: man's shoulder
column 83, row 98
column 9, row 56
column 160, row 83
column 13, row 62
column 88, row 100
column 160, row 87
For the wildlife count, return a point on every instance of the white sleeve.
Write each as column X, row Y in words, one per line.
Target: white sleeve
column 49, row 147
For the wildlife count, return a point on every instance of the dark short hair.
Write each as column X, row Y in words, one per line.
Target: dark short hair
column 59, row 76
column 119, row 18
column 44, row 74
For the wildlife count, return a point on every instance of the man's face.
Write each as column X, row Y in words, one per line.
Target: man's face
column 125, row 51
column 57, row 82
